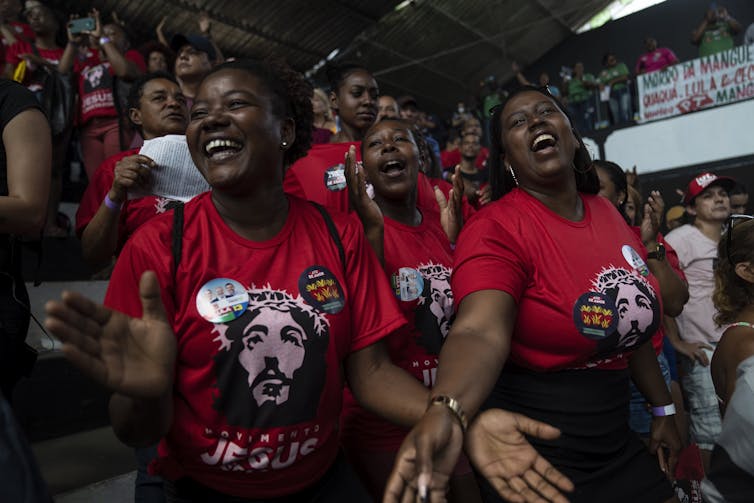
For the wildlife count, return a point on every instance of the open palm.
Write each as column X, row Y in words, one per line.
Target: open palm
column 496, row 445
column 131, row 356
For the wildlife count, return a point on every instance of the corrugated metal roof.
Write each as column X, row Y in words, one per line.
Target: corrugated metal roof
column 436, row 50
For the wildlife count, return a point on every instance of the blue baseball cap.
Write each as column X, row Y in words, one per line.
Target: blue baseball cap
column 198, row 42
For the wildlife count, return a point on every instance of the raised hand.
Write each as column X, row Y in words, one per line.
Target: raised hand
column 130, row 172
column 97, row 32
column 496, row 445
column 484, row 195
column 134, row 357
column 654, row 209
column 368, row 211
column 75, row 38
column 451, row 208
column 426, row 459
column 205, row 23
column 665, row 442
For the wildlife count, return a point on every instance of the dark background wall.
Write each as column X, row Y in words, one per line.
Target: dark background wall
column 671, row 23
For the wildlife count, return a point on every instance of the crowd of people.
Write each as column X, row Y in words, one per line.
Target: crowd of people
column 607, row 97
column 311, row 300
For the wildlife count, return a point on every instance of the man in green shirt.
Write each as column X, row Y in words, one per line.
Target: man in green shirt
column 715, row 33
column 578, row 97
column 616, row 76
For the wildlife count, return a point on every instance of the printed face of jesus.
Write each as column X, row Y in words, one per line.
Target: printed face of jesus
column 635, row 314
column 273, row 349
column 441, row 305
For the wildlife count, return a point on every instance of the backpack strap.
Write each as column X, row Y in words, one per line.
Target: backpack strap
column 333, row 233
column 176, row 241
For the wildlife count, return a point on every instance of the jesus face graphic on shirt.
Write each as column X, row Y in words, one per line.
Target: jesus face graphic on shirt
column 271, row 361
column 434, row 312
column 441, row 304
column 273, row 349
column 635, row 314
column 637, row 308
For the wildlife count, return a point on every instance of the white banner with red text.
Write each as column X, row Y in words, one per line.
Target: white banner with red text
column 718, row 79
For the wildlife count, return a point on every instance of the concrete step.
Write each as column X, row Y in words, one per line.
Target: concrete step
column 85, row 464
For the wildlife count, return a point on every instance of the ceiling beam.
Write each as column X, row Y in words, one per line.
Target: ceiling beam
column 497, row 45
column 557, row 17
column 412, row 63
column 240, row 23
column 358, row 12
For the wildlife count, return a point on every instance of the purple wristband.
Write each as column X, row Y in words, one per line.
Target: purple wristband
column 663, row 410
column 112, row 204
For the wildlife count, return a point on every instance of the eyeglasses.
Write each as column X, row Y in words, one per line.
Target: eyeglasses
column 731, row 222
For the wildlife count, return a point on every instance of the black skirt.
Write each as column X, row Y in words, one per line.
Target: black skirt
column 604, row 459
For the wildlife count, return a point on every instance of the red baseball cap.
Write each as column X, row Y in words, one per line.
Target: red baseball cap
column 700, row 182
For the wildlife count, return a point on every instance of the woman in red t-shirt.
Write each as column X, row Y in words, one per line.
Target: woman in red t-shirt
column 108, row 57
column 257, row 308
column 415, row 245
column 556, row 310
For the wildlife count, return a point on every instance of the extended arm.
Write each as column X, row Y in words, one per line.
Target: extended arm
column 479, row 339
column 673, row 289
column 383, row 388
column 646, row 374
column 495, row 441
column 133, row 357
column 696, row 35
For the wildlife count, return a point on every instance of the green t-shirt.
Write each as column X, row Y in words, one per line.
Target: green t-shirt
column 716, row 39
column 616, row 71
column 577, row 92
column 491, row 100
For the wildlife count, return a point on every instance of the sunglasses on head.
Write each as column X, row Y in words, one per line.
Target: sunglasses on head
column 731, row 222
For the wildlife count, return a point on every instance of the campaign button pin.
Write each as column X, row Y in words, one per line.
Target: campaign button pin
column 321, row 289
column 408, row 284
column 635, row 260
column 595, row 316
column 335, row 178
column 221, row 300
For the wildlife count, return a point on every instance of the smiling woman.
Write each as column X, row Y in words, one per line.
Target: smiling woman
column 556, row 309
column 235, row 356
column 415, row 244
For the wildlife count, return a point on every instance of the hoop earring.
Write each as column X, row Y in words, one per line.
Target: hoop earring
column 513, row 174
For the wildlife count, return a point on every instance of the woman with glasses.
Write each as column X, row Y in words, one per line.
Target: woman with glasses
column 556, row 309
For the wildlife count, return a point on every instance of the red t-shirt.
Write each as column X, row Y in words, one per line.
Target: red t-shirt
column 258, row 393
column 449, row 158
column 96, row 84
column 320, row 177
column 418, row 261
column 22, row 31
column 134, row 212
column 585, row 296
column 13, row 57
